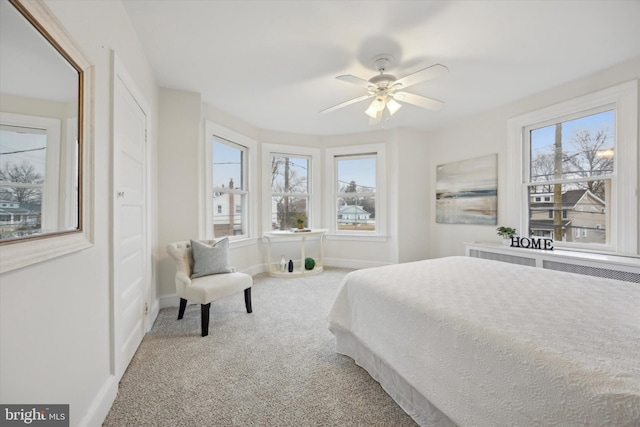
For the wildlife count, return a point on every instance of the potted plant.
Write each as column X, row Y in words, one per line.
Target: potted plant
column 297, row 220
column 506, row 233
column 309, row 263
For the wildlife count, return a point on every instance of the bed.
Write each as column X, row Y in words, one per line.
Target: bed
column 474, row 342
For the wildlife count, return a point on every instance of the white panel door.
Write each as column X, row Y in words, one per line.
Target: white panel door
column 130, row 251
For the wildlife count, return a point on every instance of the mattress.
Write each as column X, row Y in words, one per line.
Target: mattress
column 475, row 342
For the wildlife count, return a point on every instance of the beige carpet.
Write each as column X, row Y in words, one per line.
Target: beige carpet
column 274, row 367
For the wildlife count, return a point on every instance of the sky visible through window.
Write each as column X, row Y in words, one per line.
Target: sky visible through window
column 543, row 139
column 227, row 165
column 360, row 170
column 27, row 145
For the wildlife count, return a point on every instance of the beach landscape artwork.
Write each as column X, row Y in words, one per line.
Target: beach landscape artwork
column 467, row 191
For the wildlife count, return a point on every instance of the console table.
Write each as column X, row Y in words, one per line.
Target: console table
column 276, row 236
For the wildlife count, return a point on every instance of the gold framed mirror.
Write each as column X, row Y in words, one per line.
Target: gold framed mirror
column 46, row 137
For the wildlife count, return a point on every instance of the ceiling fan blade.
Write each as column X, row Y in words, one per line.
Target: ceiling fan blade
column 344, row 104
column 356, row 81
column 421, row 76
column 420, row 101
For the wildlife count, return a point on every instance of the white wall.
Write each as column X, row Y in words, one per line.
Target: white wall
column 413, row 193
column 178, row 176
column 487, row 133
column 55, row 336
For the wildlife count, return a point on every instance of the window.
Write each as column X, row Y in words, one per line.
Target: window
column 289, row 191
column 583, row 155
column 357, row 198
column 356, row 192
column 229, row 187
column 30, row 175
column 574, row 160
column 291, row 175
column 228, row 191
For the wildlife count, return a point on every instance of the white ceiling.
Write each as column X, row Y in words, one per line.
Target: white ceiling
column 274, row 63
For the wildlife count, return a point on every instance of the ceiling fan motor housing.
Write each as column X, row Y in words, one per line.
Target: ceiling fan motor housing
column 382, row 80
column 382, row 63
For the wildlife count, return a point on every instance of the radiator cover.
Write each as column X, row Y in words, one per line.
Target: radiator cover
column 606, row 266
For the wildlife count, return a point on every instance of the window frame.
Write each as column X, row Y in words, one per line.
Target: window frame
column 314, row 217
column 52, row 202
column 623, row 99
column 213, row 130
column 379, row 150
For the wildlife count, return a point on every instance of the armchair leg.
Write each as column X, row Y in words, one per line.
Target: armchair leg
column 183, row 305
column 204, row 309
column 247, row 299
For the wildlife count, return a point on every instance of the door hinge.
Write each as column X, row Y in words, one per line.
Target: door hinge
column 146, row 308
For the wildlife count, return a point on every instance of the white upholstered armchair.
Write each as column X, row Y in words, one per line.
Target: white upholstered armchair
column 205, row 287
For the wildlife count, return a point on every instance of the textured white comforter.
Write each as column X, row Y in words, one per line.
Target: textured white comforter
column 496, row 344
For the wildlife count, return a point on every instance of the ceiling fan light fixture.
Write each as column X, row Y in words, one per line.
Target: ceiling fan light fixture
column 371, row 111
column 378, row 104
column 393, row 106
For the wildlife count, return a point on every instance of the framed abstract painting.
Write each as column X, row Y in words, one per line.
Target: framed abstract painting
column 467, row 191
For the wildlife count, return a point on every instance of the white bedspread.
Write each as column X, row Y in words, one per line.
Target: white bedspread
column 496, row 344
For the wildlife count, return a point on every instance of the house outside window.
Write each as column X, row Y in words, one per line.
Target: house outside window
column 580, row 157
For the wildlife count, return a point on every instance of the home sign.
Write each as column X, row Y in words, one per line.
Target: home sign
column 525, row 242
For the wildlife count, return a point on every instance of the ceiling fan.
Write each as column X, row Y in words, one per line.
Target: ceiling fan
column 387, row 90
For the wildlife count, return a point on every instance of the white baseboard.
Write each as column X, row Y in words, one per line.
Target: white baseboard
column 169, row 301
column 153, row 314
column 101, row 405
